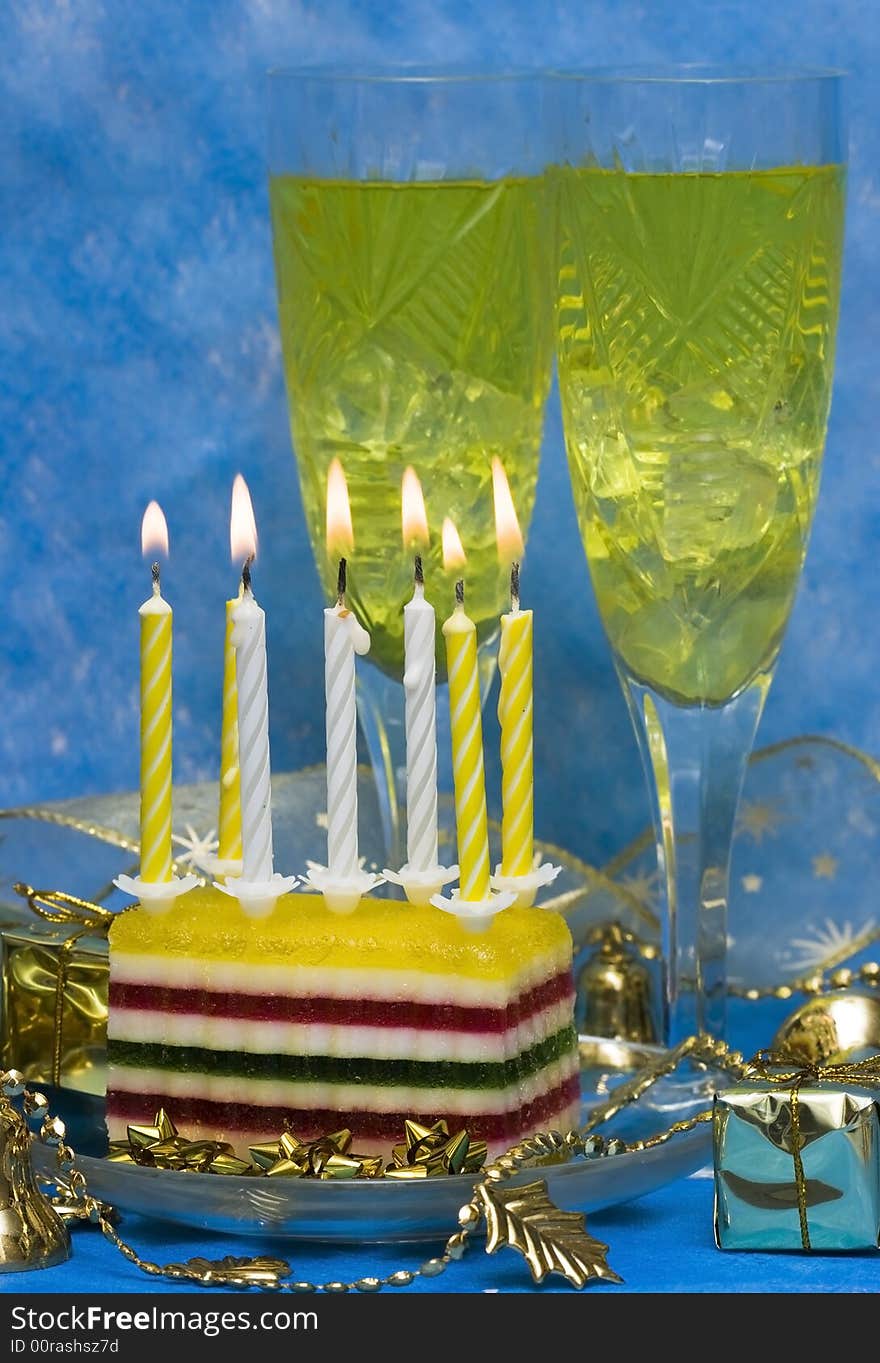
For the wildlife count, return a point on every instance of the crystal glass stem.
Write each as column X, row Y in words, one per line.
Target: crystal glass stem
column 380, row 702
column 695, row 758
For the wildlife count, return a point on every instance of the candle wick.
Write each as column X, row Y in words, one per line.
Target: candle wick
column 157, row 584
column 459, row 592
column 341, row 582
column 418, row 571
column 514, row 586
column 246, row 574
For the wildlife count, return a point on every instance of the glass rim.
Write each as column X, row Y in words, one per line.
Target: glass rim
column 405, row 75
column 686, row 73
column 700, row 73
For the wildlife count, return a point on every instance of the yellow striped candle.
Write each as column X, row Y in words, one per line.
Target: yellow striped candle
column 156, row 631
column 515, row 717
column 230, row 775
column 460, row 634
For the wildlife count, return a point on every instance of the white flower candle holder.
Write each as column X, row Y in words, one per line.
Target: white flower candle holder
column 257, row 897
column 156, row 896
column 524, row 888
column 342, row 892
column 420, row 886
column 474, row 914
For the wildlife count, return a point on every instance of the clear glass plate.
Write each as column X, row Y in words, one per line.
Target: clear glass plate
column 364, row 1211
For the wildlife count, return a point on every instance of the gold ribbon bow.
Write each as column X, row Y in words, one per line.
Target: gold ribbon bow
column 765, row 1066
column 56, row 907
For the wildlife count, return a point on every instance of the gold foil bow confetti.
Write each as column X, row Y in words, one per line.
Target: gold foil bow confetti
column 159, row 1145
column 425, row 1152
column 328, row 1157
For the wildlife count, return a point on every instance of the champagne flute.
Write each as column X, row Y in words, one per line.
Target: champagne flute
column 413, row 259
column 701, row 230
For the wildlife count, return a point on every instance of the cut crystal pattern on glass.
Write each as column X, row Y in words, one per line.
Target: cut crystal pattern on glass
column 696, row 336
column 416, row 329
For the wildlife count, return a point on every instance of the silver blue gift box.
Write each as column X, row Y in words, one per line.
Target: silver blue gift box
column 756, row 1191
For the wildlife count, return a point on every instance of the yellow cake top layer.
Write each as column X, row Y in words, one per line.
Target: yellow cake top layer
column 381, row 934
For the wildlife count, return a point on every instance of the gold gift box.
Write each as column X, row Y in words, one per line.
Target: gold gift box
column 53, row 1006
column 830, row 1198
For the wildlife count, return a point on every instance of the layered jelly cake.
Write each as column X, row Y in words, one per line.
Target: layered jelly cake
column 308, row 1021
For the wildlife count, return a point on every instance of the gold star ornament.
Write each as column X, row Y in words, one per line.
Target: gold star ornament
column 825, row 866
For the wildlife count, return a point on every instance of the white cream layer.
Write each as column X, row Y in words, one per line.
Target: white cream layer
column 379, row 1043
column 322, row 981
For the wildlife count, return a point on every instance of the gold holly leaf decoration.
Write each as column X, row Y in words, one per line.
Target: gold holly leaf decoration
column 550, row 1240
column 232, row 1272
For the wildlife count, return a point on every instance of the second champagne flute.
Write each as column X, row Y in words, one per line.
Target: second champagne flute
column 412, row 253
column 701, row 232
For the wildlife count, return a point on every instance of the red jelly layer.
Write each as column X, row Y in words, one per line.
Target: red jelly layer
column 308, row 1123
column 347, row 1012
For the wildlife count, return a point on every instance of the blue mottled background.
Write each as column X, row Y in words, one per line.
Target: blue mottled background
column 139, row 357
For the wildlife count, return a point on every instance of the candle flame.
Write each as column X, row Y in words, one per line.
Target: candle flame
column 340, row 535
column 154, row 531
column 242, row 525
column 507, row 532
column 453, row 549
column 414, row 517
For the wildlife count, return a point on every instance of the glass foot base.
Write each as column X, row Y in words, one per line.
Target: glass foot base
column 607, row 1067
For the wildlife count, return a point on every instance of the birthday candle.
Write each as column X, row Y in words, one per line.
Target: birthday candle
column 242, row 543
column 515, row 718
column 419, row 687
column 460, row 634
column 156, row 621
column 230, row 774
column 343, row 638
column 249, row 642
column 515, row 700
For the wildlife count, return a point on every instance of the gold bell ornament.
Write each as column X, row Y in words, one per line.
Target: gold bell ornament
column 616, row 995
column 834, row 1028
column 32, row 1234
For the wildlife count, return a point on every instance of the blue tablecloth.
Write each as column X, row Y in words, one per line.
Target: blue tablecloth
column 662, row 1243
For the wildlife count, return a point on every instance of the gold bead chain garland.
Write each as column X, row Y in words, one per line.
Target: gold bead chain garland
column 817, row 983
column 705, row 1050
column 523, row 1218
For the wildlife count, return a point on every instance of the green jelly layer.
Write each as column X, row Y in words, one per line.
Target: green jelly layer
column 381, row 934
column 328, row 1069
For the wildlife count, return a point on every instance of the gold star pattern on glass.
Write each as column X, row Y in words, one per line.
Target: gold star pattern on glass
column 759, row 819
column 642, row 886
column 825, row 866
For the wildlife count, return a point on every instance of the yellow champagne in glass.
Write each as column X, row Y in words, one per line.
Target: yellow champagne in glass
column 416, row 328
column 696, row 348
